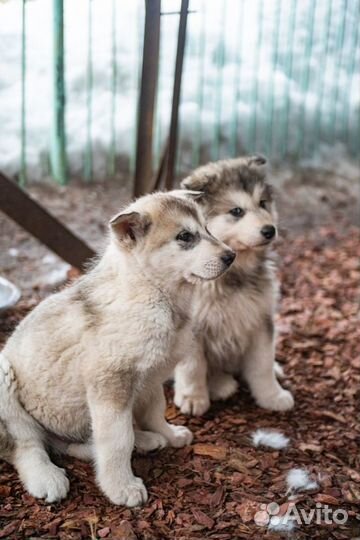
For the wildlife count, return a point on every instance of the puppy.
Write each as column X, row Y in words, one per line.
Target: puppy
column 234, row 316
column 89, row 362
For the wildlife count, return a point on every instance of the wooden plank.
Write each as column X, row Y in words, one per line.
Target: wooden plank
column 149, row 77
column 173, row 135
column 30, row 215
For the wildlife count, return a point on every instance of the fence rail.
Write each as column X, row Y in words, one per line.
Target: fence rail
column 281, row 77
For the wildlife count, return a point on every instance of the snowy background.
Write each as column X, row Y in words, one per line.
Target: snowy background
column 276, row 76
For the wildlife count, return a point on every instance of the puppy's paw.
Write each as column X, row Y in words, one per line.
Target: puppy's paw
column 133, row 493
column 49, row 483
column 195, row 405
column 279, row 371
column 281, row 401
column 146, row 441
column 222, row 386
column 180, row 436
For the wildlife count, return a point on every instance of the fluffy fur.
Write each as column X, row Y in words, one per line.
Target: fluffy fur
column 270, row 438
column 233, row 317
column 89, row 362
column 299, row 480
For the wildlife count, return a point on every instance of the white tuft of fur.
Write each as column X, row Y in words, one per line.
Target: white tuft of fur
column 299, row 480
column 272, row 439
column 281, row 523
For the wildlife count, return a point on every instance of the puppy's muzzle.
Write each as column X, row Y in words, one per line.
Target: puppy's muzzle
column 228, row 258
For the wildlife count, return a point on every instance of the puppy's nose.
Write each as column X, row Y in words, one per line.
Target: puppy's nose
column 228, row 257
column 268, row 231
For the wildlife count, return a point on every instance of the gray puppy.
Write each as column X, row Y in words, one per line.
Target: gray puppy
column 233, row 317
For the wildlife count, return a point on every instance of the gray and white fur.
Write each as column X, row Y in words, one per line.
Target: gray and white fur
column 233, row 317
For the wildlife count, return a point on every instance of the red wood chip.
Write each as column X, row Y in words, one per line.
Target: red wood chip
column 214, row 488
column 103, row 533
column 203, row 519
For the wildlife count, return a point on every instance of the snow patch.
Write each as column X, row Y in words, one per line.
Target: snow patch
column 272, row 439
column 224, row 70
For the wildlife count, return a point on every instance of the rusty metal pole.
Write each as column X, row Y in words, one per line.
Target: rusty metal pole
column 146, row 107
column 173, row 136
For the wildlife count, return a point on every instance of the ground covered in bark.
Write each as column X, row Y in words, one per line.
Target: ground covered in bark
column 214, row 488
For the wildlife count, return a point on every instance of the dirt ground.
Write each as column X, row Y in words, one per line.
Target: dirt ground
column 215, row 487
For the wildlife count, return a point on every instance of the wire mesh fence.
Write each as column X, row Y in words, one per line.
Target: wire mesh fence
column 280, row 77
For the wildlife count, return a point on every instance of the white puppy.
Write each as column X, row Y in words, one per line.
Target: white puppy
column 234, row 317
column 89, row 362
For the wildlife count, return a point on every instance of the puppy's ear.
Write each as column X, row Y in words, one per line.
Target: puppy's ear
column 129, row 228
column 188, row 194
column 193, row 195
column 258, row 160
column 199, row 182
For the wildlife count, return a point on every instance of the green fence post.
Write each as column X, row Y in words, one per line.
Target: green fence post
column 340, row 49
column 291, row 42
column 305, row 80
column 196, row 149
column 353, row 135
column 275, row 53
column 352, row 142
column 158, row 131
column 219, row 84
column 58, row 147
column 234, row 140
column 139, row 44
column 112, row 156
column 253, row 126
column 322, row 74
column 22, row 176
column 88, row 161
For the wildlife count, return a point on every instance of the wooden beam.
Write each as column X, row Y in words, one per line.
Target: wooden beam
column 173, row 135
column 32, row 217
column 149, row 77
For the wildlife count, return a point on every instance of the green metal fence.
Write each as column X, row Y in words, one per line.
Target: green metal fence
column 279, row 77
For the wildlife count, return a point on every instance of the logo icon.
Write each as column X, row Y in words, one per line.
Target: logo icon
column 263, row 516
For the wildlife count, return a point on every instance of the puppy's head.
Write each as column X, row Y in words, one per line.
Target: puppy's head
column 237, row 202
column 166, row 234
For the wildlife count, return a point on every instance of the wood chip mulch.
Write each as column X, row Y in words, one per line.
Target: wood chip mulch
column 214, row 488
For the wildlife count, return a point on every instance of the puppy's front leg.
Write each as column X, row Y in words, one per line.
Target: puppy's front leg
column 191, row 388
column 151, row 415
column 259, row 372
column 113, row 435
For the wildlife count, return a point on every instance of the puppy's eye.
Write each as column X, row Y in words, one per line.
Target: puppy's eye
column 237, row 212
column 263, row 204
column 185, row 236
